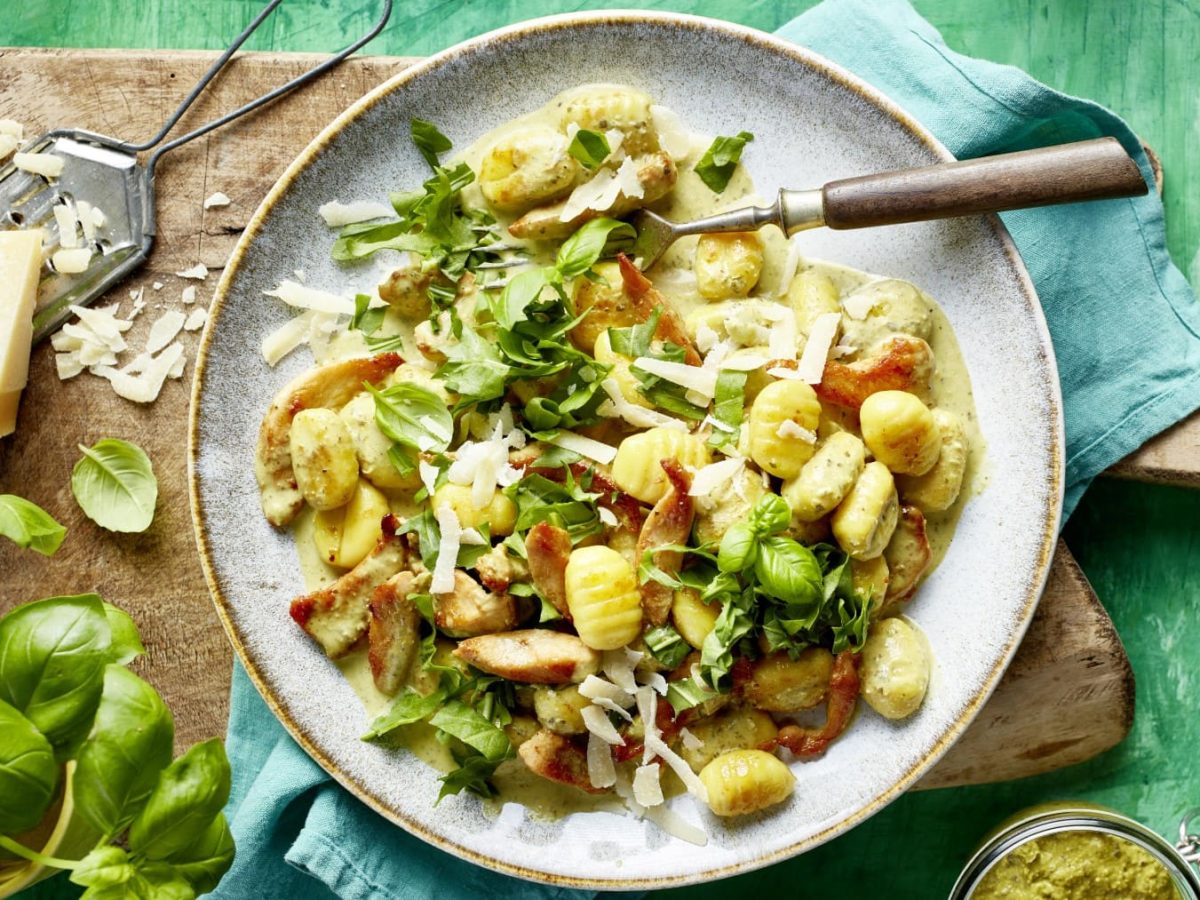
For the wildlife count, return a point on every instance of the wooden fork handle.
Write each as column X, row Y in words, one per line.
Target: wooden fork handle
column 1087, row 170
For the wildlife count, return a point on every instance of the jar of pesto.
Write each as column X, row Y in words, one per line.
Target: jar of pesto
column 1079, row 851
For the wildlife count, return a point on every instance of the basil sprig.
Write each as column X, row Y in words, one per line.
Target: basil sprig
column 590, row 148
column 65, row 695
column 719, row 161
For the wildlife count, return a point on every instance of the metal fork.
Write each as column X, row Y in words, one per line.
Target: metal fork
column 108, row 174
column 1098, row 169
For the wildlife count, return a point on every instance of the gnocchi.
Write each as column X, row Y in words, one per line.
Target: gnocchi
column 323, row 458
column 895, row 669
column 693, row 618
column 499, row 513
column 602, row 594
column 812, row 294
column 371, row 445
column 937, row 489
column 900, row 432
column 733, row 729
column 863, row 523
column 528, row 167
column 636, row 468
column 826, row 479
column 604, row 108
column 746, row 781
column 345, row 535
column 782, row 432
column 728, row 265
column 779, row 683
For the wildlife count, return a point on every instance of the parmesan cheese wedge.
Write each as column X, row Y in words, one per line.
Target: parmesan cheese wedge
column 20, row 260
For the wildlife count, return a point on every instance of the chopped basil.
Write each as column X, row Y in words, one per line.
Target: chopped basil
column 728, row 405
column 589, row 147
column 717, row 164
column 415, row 418
column 365, row 319
column 667, row 646
column 428, row 140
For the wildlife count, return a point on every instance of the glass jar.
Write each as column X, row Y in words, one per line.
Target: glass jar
column 1058, row 818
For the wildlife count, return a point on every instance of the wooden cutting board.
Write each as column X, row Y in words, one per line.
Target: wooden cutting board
column 1067, row 696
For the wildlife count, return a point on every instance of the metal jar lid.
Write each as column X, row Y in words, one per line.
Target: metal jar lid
column 1040, row 821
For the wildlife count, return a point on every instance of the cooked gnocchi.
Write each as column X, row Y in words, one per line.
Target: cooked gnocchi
column 585, row 523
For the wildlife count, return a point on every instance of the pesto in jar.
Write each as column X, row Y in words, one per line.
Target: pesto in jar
column 1077, row 865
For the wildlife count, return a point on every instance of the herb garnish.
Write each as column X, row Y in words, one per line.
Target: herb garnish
column 28, row 525
column 590, row 148
column 115, row 486
column 716, row 166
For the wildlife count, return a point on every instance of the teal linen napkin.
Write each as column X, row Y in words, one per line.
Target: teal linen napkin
column 1125, row 327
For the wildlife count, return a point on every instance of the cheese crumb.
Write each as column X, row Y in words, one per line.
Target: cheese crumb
column 338, row 214
column 68, row 226
column 787, row 428
column 189, row 294
column 8, row 145
column 196, row 319
column 164, row 330
column 215, row 200
column 12, row 128
column 158, row 286
column 71, row 262
column 197, row 272
column 45, row 164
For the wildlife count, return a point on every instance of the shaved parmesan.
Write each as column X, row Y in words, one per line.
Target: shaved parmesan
column 197, row 272
column 690, row 741
column 689, row 778
column 68, row 226
column 597, row 722
column 713, row 476
column 286, row 338
column 595, row 689
column 164, row 330
column 338, row 214
column 602, row 190
column 45, row 164
column 474, row 538
column 584, row 446
column 706, row 338
column 791, row 263
column 673, row 136
column 676, row 825
column 782, row 341
column 647, row 704
column 613, row 706
column 448, row 546
column 146, row 386
column 647, row 786
column 693, row 378
column 68, row 365
column 99, row 219
column 158, row 286
column 655, row 680
column 196, row 319
column 84, row 213
column 71, row 262
column 103, row 323
column 841, row 350
column 617, row 407
column 429, row 475
column 12, row 128
column 302, row 297
column 746, row 362
column 8, row 145
column 788, row 428
column 477, row 463
column 619, row 669
column 189, row 294
column 215, row 200
column 607, row 516
column 859, row 304
column 783, row 372
column 816, row 349
column 602, row 772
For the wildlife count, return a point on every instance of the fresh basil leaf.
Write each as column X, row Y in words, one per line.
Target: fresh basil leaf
column 160, row 881
column 635, row 340
column 429, row 536
column 428, row 140
column 667, row 646
column 717, row 165
column 584, row 248
column 360, row 241
column 473, row 368
column 538, row 499
column 365, row 319
column 739, row 548
column 589, row 147
column 52, row 658
column 729, row 403
column 413, row 416
column 666, row 394
column 472, row 775
column 205, row 862
column 115, row 486
column 465, row 723
column 522, row 290
column 129, row 745
column 548, row 612
column 189, row 794
column 29, row 526
column 734, row 623
column 403, row 202
column 788, row 571
column 687, row 693
column 771, row 514
column 125, row 644
column 28, row 772
column 407, row 708
column 424, row 605
column 439, row 212
column 106, row 866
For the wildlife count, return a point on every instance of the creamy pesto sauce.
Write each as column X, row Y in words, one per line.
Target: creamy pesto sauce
column 690, row 199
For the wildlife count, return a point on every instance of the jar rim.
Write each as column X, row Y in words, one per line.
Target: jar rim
column 1041, row 822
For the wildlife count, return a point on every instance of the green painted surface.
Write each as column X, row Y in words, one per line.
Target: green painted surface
column 1139, row 545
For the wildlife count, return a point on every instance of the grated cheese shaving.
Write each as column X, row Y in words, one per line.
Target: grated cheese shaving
column 712, row 476
column 338, row 214
column 164, row 330
column 781, row 343
column 429, row 474
column 690, row 741
column 673, row 136
column 676, row 825
column 601, row 191
column 189, row 294
column 655, row 680
column 68, row 226
column 303, row 297
column 607, row 516
column 788, row 428
column 214, row 200
column 145, row 386
column 45, row 164
column 596, row 720
column 656, row 745
column 791, row 263
column 68, row 364
column 85, row 213
column 287, row 337
column 197, row 272
column 595, row 688
column 647, row 704
column 602, row 772
column 474, row 538
column 196, row 319
column 584, row 446
column 12, row 128
column 71, row 262
column 158, row 286
column 859, row 304
column 443, row 570
column 647, row 786
column 619, row 669
column 811, row 367
column 8, row 145
column 613, row 706
column 702, row 380
column 617, row 407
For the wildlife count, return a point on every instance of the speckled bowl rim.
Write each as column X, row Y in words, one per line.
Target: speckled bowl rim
column 768, row 44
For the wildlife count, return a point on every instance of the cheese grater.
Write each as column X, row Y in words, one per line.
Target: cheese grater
column 117, row 177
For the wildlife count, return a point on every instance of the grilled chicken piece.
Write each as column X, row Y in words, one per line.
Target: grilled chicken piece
column 469, row 610
column 329, row 387
column 669, row 522
column 548, row 547
column 496, row 569
column 394, row 634
column 647, row 298
column 844, row 685
column 898, row 363
column 337, row 615
column 907, row 554
column 656, row 172
column 557, row 758
column 534, row 656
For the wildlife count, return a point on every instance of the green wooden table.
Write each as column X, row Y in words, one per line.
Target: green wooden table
column 1139, row 544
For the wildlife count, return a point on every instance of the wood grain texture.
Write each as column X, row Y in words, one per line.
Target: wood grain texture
column 1085, row 170
column 156, row 576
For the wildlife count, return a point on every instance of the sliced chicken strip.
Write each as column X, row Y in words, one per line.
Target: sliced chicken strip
column 533, row 656
column 393, row 638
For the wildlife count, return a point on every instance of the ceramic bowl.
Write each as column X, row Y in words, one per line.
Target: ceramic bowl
column 812, row 122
